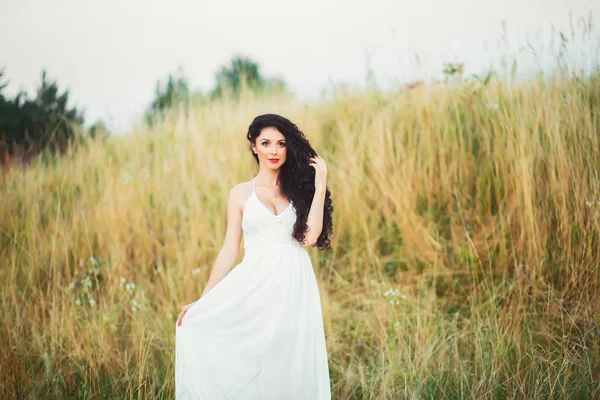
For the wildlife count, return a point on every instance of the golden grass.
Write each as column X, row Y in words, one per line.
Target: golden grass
column 464, row 265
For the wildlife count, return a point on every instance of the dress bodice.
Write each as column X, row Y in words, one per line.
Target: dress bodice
column 261, row 227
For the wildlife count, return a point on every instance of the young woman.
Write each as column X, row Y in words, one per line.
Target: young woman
column 257, row 330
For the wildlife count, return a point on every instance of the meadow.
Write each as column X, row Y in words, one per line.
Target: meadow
column 465, row 261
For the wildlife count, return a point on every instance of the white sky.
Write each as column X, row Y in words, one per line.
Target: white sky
column 110, row 53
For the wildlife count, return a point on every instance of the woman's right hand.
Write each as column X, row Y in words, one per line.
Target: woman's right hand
column 182, row 313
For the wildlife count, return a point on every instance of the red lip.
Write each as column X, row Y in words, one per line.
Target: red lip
column 273, row 159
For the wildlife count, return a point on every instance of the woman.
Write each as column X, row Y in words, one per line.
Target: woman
column 257, row 330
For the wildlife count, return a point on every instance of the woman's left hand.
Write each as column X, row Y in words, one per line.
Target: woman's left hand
column 320, row 170
column 184, row 310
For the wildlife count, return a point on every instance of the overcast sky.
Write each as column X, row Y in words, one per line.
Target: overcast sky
column 110, row 53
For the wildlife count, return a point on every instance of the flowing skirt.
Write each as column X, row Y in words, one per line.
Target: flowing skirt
column 258, row 334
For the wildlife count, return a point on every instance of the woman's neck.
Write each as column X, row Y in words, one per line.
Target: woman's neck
column 268, row 177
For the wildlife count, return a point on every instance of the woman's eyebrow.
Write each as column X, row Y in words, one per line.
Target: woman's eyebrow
column 268, row 140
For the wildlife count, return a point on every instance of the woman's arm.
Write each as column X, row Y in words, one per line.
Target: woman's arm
column 228, row 255
column 315, row 214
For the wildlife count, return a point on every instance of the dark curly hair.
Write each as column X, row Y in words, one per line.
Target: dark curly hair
column 296, row 176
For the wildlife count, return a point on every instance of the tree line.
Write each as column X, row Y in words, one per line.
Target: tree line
column 45, row 123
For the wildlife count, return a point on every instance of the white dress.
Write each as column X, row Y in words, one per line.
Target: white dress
column 257, row 334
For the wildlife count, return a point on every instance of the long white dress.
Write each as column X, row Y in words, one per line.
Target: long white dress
column 257, row 334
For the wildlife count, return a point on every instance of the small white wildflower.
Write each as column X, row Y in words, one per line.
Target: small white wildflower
column 394, row 293
column 92, row 302
column 86, row 282
column 130, row 287
column 396, row 325
column 78, row 302
column 95, row 262
column 589, row 203
column 122, row 281
column 196, row 271
column 373, row 282
column 135, row 305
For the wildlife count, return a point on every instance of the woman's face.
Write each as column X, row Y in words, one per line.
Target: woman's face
column 270, row 145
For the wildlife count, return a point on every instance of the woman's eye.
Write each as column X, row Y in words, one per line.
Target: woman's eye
column 282, row 144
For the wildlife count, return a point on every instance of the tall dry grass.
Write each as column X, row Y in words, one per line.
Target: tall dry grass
column 465, row 262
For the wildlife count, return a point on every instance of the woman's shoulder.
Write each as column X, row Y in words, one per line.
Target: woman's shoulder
column 242, row 187
column 240, row 192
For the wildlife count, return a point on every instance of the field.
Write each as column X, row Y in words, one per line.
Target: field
column 465, row 262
